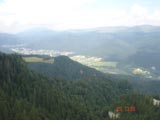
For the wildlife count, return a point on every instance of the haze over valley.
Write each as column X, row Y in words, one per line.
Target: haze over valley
column 79, row 60
column 116, row 50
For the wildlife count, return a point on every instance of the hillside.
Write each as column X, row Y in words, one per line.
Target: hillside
column 65, row 68
column 28, row 95
column 25, row 94
column 106, row 42
column 126, row 48
column 8, row 39
column 62, row 67
column 113, row 43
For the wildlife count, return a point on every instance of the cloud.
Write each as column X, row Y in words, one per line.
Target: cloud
column 16, row 15
column 139, row 11
column 53, row 13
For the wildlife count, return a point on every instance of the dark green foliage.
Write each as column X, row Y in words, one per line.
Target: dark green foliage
column 144, row 107
column 142, row 85
column 65, row 68
column 26, row 95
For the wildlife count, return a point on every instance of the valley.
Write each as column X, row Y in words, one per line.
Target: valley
column 93, row 74
column 115, row 50
column 79, row 60
column 101, row 64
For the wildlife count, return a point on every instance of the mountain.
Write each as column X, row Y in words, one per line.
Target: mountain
column 111, row 43
column 145, row 86
column 25, row 94
column 145, row 59
column 106, row 42
column 8, row 39
column 122, row 29
column 129, row 47
column 64, row 67
column 36, row 35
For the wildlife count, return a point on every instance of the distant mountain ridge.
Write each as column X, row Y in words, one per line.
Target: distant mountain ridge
column 8, row 39
column 103, row 42
column 131, row 45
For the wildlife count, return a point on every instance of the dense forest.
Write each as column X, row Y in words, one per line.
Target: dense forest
column 64, row 68
column 27, row 95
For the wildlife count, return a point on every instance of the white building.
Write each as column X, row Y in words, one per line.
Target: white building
column 113, row 115
column 156, row 102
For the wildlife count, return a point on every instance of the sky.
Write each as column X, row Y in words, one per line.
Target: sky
column 18, row 15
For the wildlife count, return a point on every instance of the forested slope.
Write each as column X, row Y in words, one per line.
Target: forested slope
column 26, row 95
column 64, row 68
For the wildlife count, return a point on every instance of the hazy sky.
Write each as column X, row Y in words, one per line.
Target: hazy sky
column 16, row 15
